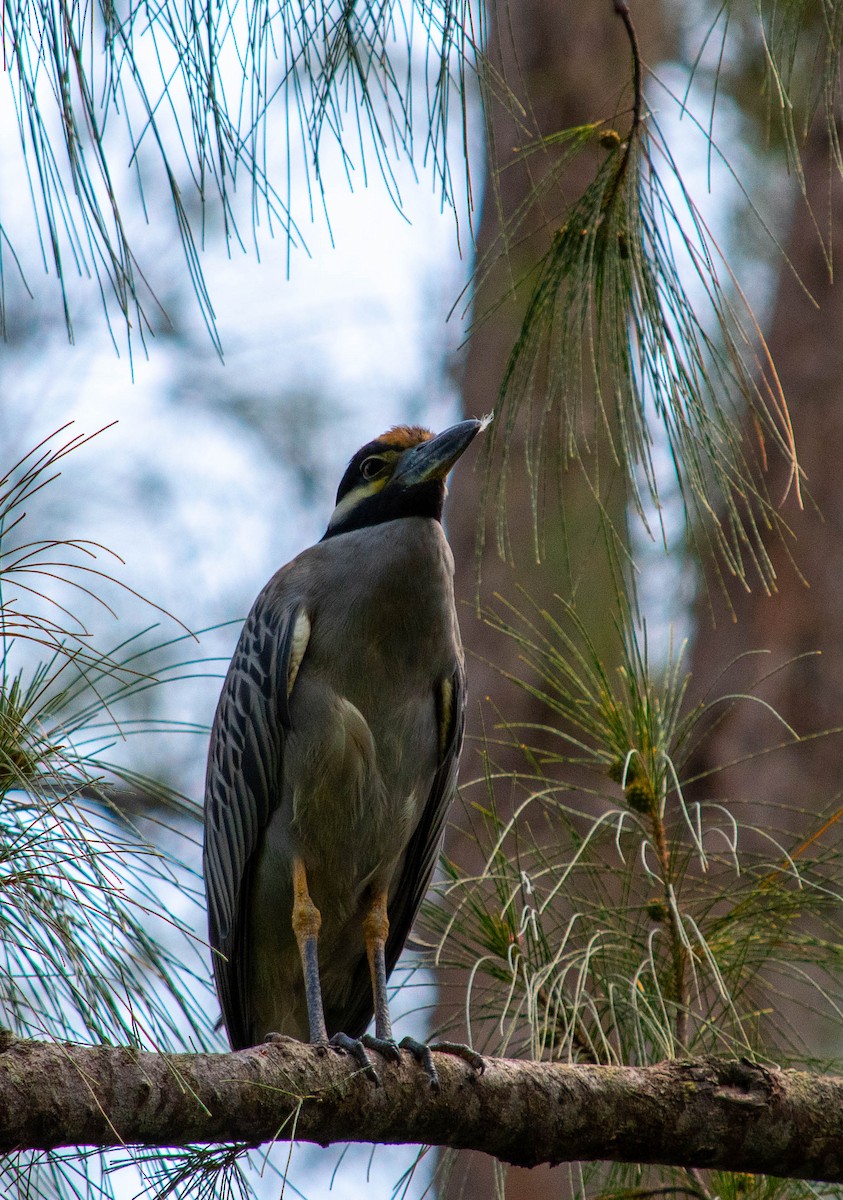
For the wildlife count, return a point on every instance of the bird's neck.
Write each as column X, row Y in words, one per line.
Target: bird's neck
column 393, row 504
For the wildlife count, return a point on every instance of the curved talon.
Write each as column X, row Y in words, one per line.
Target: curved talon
column 464, row 1052
column 421, row 1053
column 386, row 1047
column 357, row 1050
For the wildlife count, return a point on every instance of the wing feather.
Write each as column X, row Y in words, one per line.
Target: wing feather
column 243, row 783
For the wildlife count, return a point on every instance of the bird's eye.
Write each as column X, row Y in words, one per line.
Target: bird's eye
column 370, row 468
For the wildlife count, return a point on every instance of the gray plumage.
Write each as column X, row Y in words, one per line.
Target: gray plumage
column 336, row 739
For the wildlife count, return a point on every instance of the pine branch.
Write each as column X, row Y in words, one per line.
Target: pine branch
column 695, row 1113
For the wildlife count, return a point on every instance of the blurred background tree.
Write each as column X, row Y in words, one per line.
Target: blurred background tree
column 645, row 460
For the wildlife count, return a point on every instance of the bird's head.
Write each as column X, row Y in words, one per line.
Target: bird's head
column 400, row 474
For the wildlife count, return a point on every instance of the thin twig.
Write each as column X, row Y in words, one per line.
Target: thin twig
column 680, row 996
column 622, row 10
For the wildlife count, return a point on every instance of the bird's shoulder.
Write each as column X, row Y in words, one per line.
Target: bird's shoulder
column 383, row 593
column 409, row 544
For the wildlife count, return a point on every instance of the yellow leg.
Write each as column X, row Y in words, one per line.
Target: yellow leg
column 307, row 921
column 375, row 932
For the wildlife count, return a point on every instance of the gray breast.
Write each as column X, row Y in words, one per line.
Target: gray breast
column 363, row 746
column 386, row 594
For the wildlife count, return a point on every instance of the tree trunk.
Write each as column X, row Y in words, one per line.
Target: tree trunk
column 566, row 63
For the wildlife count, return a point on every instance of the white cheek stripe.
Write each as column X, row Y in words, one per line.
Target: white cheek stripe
column 354, row 497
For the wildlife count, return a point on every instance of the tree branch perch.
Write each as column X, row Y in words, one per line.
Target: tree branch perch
column 694, row 1113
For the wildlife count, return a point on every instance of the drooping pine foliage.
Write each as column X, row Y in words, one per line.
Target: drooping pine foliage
column 615, row 920
column 238, row 111
column 96, row 938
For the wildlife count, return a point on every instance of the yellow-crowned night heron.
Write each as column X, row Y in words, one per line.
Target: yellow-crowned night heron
column 333, row 759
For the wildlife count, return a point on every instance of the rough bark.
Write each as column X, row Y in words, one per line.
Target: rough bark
column 697, row 1113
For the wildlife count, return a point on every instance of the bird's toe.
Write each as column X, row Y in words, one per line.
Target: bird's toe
column 459, row 1050
column 386, row 1047
column 423, row 1054
column 356, row 1048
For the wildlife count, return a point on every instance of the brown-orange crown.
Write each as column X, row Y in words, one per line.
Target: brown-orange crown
column 402, row 437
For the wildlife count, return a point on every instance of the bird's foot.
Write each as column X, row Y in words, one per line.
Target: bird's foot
column 356, row 1047
column 386, row 1047
column 422, row 1053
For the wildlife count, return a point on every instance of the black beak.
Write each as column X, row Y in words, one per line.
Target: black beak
column 434, row 459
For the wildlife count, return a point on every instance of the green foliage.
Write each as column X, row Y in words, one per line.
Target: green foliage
column 625, row 913
column 781, row 62
column 612, row 343
column 213, row 99
column 232, row 95
column 96, row 942
column 199, row 1173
